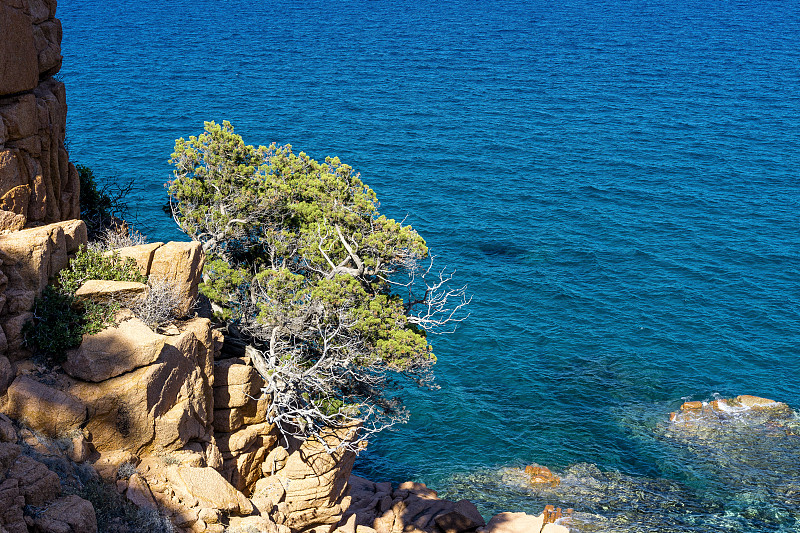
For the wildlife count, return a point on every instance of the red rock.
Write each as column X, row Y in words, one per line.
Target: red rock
column 455, row 522
column 19, row 62
column 36, row 482
column 70, row 514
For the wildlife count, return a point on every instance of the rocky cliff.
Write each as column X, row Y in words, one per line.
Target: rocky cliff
column 169, row 421
column 38, row 184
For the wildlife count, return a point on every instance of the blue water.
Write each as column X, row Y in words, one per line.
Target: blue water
column 616, row 181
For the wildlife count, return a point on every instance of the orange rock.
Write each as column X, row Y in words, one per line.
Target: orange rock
column 541, row 475
column 142, row 254
column 182, row 264
column 755, row 402
column 691, row 406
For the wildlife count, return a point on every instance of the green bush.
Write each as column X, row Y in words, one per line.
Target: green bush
column 93, row 264
column 59, row 320
column 57, row 326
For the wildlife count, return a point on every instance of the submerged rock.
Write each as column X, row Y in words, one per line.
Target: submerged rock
column 541, row 475
column 705, row 420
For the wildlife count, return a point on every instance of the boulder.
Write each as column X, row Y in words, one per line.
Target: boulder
column 703, row 416
column 47, row 37
column 6, row 373
column 13, row 181
column 139, row 493
column 262, row 524
column 208, row 488
column 209, row 515
column 235, row 385
column 44, row 409
column 18, row 198
column 115, row 350
column 41, row 10
column 180, row 263
column 241, row 440
column 36, row 483
column 514, row 523
column 75, row 234
column 754, row 402
column 32, row 256
column 7, row 431
column 127, row 293
column 80, row 449
column 269, row 488
column 19, row 301
column 247, row 469
column 228, row 420
column 3, row 339
column 233, row 372
column 11, row 505
column 8, row 455
column 19, row 61
column 156, row 407
column 70, row 514
column 143, row 255
column 316, row 481
column 541, row 475
column 10, row 221
column 185, row 421
column 274, row 461
column 12, row 330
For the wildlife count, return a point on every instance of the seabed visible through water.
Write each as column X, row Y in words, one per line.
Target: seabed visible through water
column 740, row 474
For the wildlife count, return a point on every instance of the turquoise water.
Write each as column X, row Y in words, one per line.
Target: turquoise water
column 617, row 182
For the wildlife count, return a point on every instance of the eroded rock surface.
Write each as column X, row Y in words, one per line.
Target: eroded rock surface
column 37, row 181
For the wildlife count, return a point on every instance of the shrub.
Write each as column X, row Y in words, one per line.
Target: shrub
column 126, row 470
column 161, row 304
column 101, row 207
column 57, row 326
column 94, row 264
column 115, row 513
column 117, row 237
column 59, row 320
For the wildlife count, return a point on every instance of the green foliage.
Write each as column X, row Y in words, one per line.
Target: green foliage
column 59, row 320
column 101, row 207
column 93, row 264
column 57, row 327
column 299, row 256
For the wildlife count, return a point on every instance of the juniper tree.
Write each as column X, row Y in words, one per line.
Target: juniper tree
column 336, row 299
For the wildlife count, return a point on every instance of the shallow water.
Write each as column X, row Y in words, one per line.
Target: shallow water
column 616, row 182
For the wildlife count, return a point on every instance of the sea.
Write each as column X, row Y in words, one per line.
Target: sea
column 617, row 183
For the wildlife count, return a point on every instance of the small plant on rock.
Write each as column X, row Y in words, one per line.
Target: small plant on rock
column 118, row 236
column 60, row 321
column 161, row 305
column 93, row 264
column 126, row 470
column 115, row 513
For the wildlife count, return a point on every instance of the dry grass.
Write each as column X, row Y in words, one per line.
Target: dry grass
column 161, row 304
